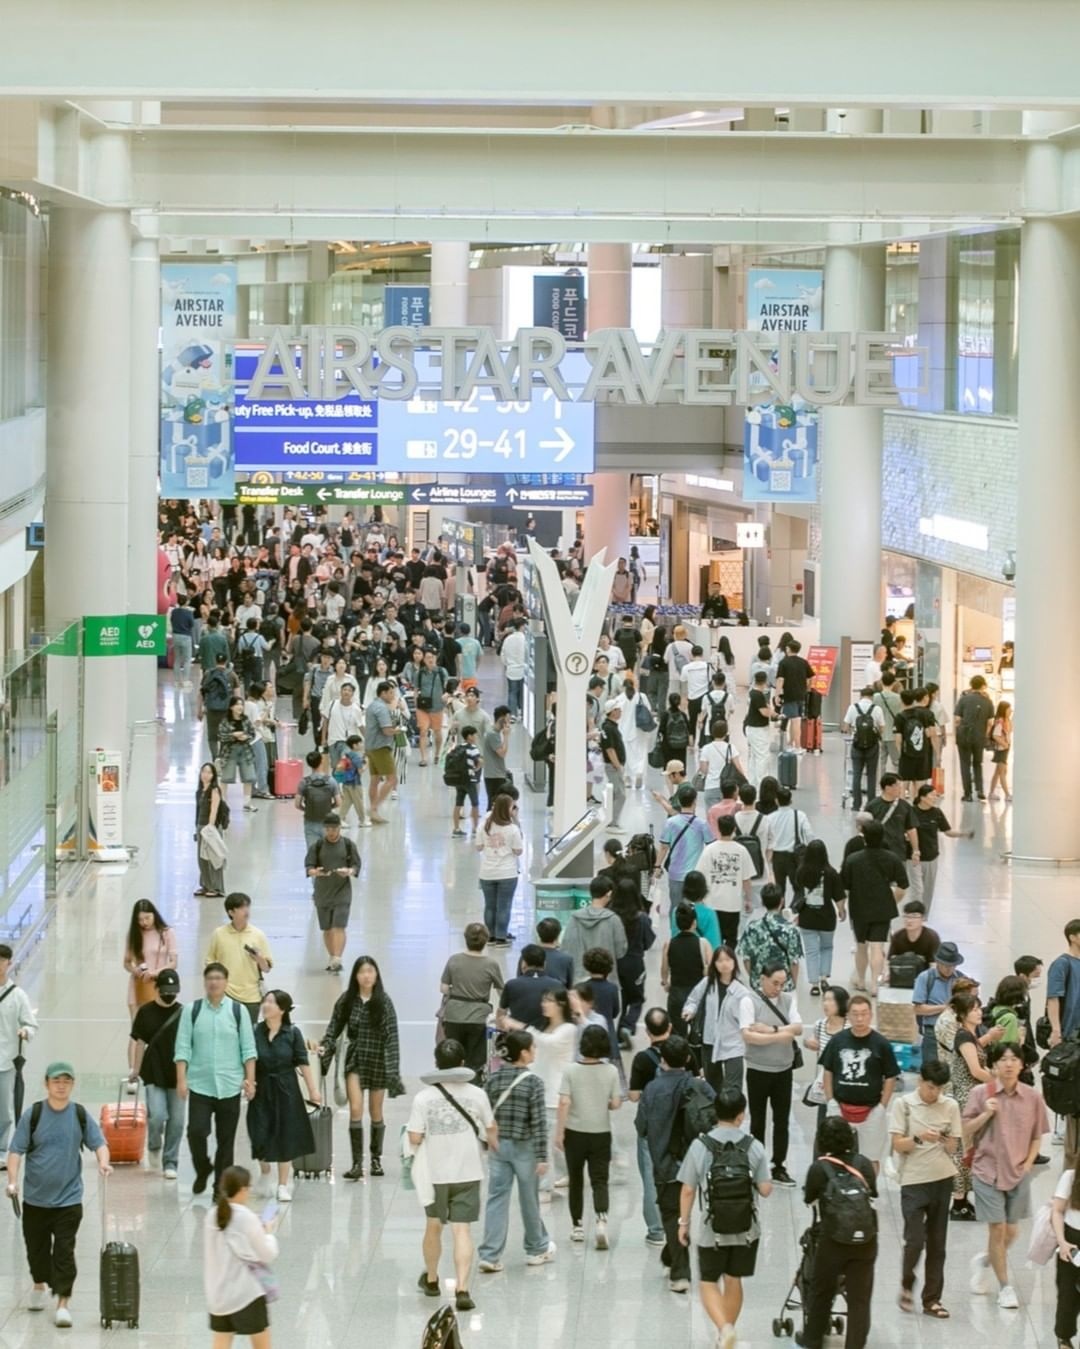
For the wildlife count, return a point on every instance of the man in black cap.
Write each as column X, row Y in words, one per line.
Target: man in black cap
column 932, row 991
column 332, row 863
column 154, row 1032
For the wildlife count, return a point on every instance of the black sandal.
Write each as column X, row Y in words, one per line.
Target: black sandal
column 936, row 1310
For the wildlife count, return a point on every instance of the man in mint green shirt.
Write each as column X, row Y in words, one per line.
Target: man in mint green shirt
column 471, row 651
column 215, row 1061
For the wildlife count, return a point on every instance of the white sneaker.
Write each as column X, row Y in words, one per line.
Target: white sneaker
column 284, row 1194
column 981, row 1280
column 545, row 1257
column 491, row 1267
column 545, row 1196
column 62, row 1318
column 577, row 1234
column 678, row 1285
column 36, row 1301
column 169, row 1173
column 562, row 1182
column 1007, row 1298
column 601, row 1234
column 725, row 1338
column 365, row 823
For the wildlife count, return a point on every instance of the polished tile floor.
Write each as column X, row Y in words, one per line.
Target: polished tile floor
column 351, row 1252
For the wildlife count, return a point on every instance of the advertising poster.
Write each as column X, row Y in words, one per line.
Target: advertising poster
column 406, row 306
column 198, row 326
column 822, row 660
column 780, row 440
column 106, row 799
column 559, row 303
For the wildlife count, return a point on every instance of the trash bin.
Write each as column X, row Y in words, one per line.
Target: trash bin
column 560, row 898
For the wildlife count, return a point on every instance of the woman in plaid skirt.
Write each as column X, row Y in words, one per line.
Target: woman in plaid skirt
column 372, row 1061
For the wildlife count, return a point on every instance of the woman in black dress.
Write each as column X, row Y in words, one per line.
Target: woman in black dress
column 210, row 808
column 372, row 1059
column 277, row 1119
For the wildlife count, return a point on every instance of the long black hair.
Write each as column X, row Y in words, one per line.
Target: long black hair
column 815, row 863
column 626, row 903
column 714, row 973
column 135, row 932
column 378, row 993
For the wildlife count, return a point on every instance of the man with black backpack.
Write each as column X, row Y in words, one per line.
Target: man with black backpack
column 675, row 1108
column 332, row 863
column 865, row 722
column 215, row 692
column 842, row 1185
column 727, row 1169
column 51, row 1136
column 463, row 769
column 317, row 795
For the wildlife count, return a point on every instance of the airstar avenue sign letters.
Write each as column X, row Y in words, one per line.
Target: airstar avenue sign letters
column 697, row 365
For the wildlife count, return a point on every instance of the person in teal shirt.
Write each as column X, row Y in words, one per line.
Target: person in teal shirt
column 215, row 1061
column 470, row 651
column 695, row 888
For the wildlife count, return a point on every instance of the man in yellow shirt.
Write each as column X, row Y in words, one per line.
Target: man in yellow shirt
column 243, row 950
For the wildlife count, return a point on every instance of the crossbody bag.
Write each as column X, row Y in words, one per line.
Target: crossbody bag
column 796, row 1048
column 675, row 844
column 465, row 1114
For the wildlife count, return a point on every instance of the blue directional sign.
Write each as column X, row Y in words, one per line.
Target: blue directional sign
column 482, row 434
column 406, row 306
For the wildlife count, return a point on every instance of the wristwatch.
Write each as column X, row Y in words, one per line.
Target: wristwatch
column 684, row 1222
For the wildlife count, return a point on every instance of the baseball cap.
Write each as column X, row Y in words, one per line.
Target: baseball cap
column 59, row 1069
column 613, row 705
column 167, row 979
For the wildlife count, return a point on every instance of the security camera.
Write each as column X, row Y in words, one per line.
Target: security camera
column 1008, row 567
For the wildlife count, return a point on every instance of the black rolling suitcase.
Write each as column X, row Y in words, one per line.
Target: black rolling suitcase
column 119, row 1278
column 787, row 769
column 320, row 1162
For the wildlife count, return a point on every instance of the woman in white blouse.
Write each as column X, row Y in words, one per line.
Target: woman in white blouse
column 238, row 1249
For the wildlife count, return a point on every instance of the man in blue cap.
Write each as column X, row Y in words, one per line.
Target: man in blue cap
column 51, row 1135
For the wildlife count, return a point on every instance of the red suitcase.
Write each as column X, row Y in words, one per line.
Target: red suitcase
column 124, row 1127
column 811, row 734
column 287, row 775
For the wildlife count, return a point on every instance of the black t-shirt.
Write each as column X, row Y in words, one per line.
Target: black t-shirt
column 820, row 1173
column 928, row 825
column 868, row 877
column 158, row 1068
column 975, row 711
column 522, row 997
column 897, row 823
column 643, row 1068
column 758, row 699
column 611, row 738
column 913, row 725
column 859, row 1065
column 925, row 945
column 628, row 640
column 451, row 649
column 796, row 674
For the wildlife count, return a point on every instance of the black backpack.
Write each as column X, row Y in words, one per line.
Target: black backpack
column 696, row 1116
column 641, row 853
column 677, row 730
column 865, row 733
column 318, row 795
column 456, row 769
column 729, row 1186
column 1061, row 1077
column 905, row 968
column 540, row 746
column 248, row 662
column 848, row 1216
column 752, row 844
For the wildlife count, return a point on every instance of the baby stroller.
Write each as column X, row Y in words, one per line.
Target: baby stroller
column 783, row 1326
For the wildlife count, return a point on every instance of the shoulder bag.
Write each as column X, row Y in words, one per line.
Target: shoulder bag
column 465, row 1114
column 1043, row 1028
column 796, row 1048
column 677, row 841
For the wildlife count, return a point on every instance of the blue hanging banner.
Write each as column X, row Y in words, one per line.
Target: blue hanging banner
column 198, row 325
column 559, row 303
column 407, row 306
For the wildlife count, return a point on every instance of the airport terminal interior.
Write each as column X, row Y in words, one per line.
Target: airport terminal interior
column 614, row 358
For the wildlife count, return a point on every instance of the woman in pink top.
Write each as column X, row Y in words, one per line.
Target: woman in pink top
column 151, row 946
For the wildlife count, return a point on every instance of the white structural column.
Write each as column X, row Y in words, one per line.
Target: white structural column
column 89, row 437
column 1046, row 810
column 143, row 464
column 450, row 285
column 850, row 473
column 607, row 521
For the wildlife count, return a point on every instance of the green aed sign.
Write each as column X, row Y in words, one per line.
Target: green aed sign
column 124, row 635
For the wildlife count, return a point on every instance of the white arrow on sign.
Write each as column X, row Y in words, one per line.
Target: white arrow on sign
column 564, row 443
column 512, row 494
column 420, row 494
column 322, row 493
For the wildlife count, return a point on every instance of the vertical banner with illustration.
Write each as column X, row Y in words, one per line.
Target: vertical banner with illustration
column 106, row 799
column 780, row 440
column 559, row 303
column 198, row 327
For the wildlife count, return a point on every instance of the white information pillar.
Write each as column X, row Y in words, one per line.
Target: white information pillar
column 1046, row 809
column 607, row 521
column 143, row 462
column 450, row 285
column 573, row 638
column 89, row 438
column 850, row 473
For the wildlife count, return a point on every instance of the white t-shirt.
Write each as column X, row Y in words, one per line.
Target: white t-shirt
column 714, row 756
column 453, row 1150
column 513, row 655
column 858, row 708
column 696, row 676
column 555, row 1050
column 725, row 865
column 1063, row 1191
column 616, row 659
column 499, row 847
column 334, row 606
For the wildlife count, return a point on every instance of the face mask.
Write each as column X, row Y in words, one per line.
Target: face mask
column 1034, row 983
column 168, row 998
